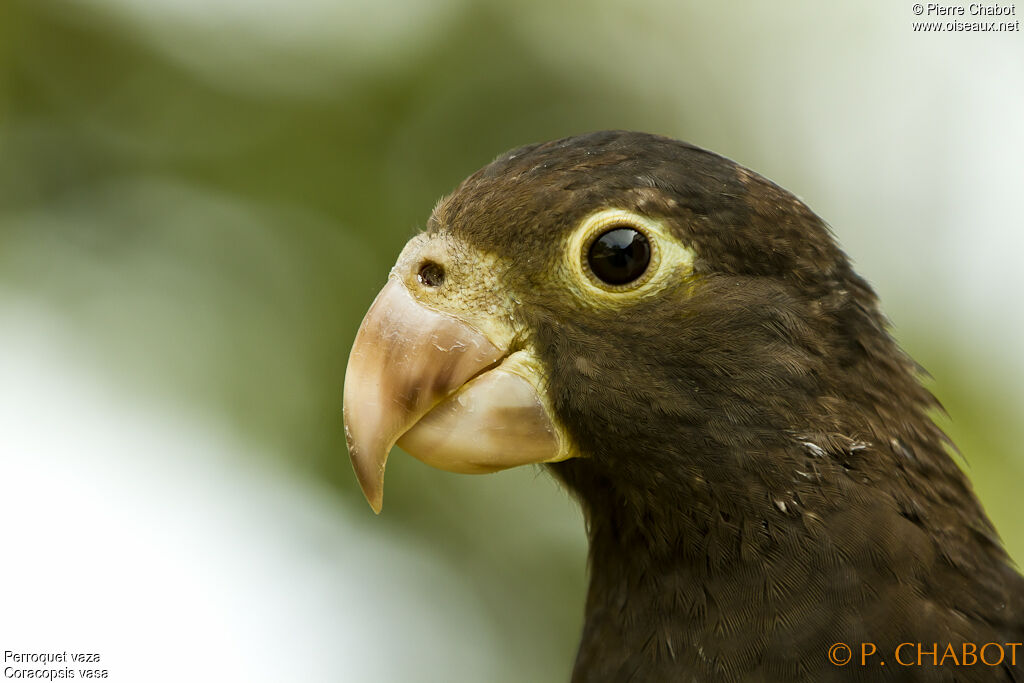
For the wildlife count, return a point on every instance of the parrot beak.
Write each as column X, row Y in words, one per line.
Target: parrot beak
column 443, row 391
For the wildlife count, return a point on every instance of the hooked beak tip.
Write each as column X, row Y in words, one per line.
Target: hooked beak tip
column 372, row 484
column 369, row 472
column 376, row 502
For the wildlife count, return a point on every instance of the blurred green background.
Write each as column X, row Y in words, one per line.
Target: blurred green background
column 200, row 199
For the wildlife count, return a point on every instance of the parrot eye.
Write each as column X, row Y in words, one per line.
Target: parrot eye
column 619, row 255
column 616, row 256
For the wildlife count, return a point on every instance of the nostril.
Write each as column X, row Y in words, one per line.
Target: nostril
column 431, row 274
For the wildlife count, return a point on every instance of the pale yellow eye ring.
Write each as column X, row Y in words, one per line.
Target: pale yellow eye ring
column 665, row 251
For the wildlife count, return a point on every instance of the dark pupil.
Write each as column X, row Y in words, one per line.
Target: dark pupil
column 620, row 255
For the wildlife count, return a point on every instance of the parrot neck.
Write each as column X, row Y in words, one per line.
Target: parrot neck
column 662, row 593
column 699, row 577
